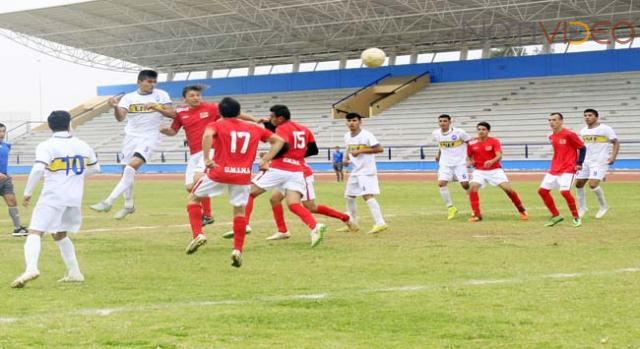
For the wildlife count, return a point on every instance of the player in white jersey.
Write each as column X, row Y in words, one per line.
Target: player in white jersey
column 64, row 160
column 451, row 158
column 143, row 109
column 602, row 149
column 362, row 146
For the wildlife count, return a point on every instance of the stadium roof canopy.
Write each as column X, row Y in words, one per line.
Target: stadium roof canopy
column 174, row 36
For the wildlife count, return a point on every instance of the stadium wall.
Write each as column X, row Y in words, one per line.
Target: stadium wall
column 609, row 61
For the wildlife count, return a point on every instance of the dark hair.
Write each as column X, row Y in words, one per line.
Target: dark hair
column 559, row 114
column 589, row 110
column 197, row 88
column 59, row 120
column 147, row 74
column 485, row 124
column 229, row 107
column 2, row 125
column 350, row 116
column 445, row 116
column 281, row 110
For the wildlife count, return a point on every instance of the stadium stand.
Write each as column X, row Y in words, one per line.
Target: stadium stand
column 516, row 108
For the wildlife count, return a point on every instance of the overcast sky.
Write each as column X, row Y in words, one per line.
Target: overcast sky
column 24, row 71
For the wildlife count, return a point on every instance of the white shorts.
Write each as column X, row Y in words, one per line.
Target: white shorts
column 309, row 192
column 451, row 173
column 493, row 177
column 362, row 185
column 593, row 171
column 238, row 194
column 138, row 144
column 53, row 219
column 195, row 165
column 562, row 181
column 282, row 180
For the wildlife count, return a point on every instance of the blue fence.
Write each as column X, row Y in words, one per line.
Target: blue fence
column 390, row 166
column 609, row 61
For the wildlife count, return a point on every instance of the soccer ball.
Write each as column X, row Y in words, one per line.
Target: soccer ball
column 373, row 57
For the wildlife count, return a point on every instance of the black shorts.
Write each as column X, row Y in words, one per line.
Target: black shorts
column 337, row 166
column 6, row 187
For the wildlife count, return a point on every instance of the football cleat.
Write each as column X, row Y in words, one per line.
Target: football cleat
column 279, row 236
column 229, row 234
column 123, row 212
column 317, row 234
column 602, row 212
column 72, row 278
column 377, row 228
column 196, row 243
column 101, row 206
column 236, row 258
column 20, row 231
column 452, row 212
column 577, row 222
column 553, row 221
column 22, row 280
column 206, row 220
column 474, row 219
column 524, row 216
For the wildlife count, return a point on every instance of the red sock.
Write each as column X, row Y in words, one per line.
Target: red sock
column 278, row 216
column 571, row 202
column 516, row 201
column 195, row 219
column 249, row 208
column 304, row 215
column 474, row 198
column 239, row 232
column 328, row 211
column 548, row 201
column 206, row 206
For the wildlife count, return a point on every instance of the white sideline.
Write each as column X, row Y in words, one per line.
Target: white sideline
column 306, row 297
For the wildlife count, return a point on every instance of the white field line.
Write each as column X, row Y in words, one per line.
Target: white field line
column 302, row 297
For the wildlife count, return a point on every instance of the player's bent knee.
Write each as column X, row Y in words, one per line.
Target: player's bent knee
column 59, row 235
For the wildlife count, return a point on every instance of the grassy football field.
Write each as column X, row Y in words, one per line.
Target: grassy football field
column 425, row 283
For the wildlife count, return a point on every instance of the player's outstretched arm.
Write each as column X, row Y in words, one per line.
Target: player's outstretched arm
column 165, row 110
column 168, row 131
column 119, row 112
column 277, row 144
column 251, row 118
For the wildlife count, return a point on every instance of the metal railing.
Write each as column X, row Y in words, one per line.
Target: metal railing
column 22, row 129
column 512, row 151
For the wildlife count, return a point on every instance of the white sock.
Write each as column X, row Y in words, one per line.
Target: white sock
column 68, row 253
column 352, row 208
column 446, row 196
column 582, row 200
column 376, row 212
column 32, row 252
column 128, row 196
column 600, row 196
column 126, row 181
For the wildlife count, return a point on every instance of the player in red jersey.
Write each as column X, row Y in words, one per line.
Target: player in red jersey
column 286, row 173
column 568, row 154
column 309, row 202
column 485, row 153
column 236, row 143
column 194, row 118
